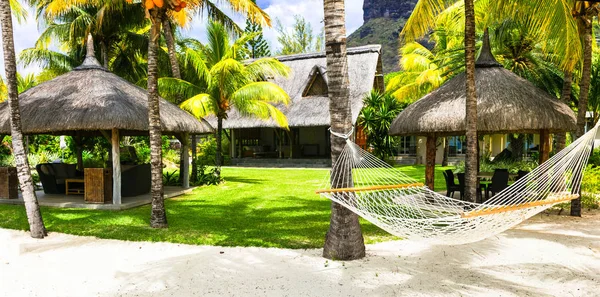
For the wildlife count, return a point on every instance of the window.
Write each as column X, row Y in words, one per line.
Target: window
column 456, row 145
column 408, row 145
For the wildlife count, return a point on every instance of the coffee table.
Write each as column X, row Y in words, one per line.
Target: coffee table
column 77, row 190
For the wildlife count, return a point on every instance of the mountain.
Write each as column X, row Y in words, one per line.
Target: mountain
column 383, row 22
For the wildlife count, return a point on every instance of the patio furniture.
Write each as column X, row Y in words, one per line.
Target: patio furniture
column 135, row 180
column 521, row 174
column 499, row 183
column 53, row 175
column 77, row 190
column 9, row 183
column 461, row 184
column 98, row 185
column 451, row 187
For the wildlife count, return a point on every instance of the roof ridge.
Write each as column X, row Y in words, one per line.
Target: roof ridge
column 369, row 48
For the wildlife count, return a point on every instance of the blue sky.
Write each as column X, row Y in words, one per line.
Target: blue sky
column 312, row 10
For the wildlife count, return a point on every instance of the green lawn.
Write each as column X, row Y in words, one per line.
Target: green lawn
column 254, row 207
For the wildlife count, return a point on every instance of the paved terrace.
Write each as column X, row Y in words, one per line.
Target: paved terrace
column 76, row 201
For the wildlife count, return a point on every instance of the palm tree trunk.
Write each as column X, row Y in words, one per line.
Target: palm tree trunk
column 344, row 240
column 219, row 138
column 565, row 97
column 170, row 39
column 158, row 218
column 104, row 53
column 584, row 90
column 34, row 216
column 471, row 158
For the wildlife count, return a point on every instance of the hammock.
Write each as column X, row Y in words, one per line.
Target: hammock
column 404, row 207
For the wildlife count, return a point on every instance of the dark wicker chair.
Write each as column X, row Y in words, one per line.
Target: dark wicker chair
column 135, row 180
column 521, row 174
column 499, row 183
column 451, row 187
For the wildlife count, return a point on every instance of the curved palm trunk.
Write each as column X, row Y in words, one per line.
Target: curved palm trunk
column 584, row 90
column 344, row 240
column 219, row 138
column 158, row 218
column 471, row 159
column 34, row 216
column 170, row 39
column 565, row 97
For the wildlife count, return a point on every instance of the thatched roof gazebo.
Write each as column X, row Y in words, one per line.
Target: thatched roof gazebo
column 92, row 101
column 506, row 103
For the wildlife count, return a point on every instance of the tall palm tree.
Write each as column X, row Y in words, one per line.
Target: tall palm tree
column 158, row 217
column 34, row 216
column 344, row 240
column 585, row 12
column 220, row 81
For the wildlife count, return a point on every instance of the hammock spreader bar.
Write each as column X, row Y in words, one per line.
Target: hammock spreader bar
column 507, row 208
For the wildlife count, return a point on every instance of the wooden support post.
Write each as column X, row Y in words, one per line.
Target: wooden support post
column 544, row 146
column 232, row 144
column 116, row 166
column 185, row 157
column 79, row 151
column 430, row 162
column 240, row 143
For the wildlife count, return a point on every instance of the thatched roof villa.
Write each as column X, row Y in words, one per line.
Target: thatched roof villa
column 308, row 112
column 92, row 101
column 506, row 103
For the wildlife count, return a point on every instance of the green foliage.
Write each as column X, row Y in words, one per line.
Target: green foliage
column 171, row 178
column 591, row 180
column 257, row 46
column 300, row 40
column 595, row 158
column 376, row 117
column 490, row 166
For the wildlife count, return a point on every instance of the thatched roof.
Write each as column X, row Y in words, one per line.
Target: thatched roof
column 90, row 98
column 364, row 67
column 506, row 103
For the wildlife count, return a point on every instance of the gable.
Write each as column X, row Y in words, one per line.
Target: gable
column 317, row 83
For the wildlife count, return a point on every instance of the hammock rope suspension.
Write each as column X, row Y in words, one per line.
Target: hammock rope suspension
column 403, row 206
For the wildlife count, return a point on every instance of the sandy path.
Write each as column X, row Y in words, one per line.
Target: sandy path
column 546, row 256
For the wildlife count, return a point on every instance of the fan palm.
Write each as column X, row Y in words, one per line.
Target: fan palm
column 221, row 81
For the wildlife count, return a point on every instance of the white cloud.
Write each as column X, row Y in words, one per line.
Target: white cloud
column 25, row 35
column 312, row 10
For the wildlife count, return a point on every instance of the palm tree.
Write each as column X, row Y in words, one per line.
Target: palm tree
column 220, row 81
column 158, row 217
column 585, row 12
column 344, row 240
column 34, row 216
column 376, row 117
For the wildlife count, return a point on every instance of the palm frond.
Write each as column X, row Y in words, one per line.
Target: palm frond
column 265, row 68
column 200, row 105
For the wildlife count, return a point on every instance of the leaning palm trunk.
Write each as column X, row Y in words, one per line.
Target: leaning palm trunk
column 34, row 216
column 584, row 89
column 565, row 97
column 170, row 39
column 158, row 218
column 219, row 139
column 344, row 240
column 471, row 159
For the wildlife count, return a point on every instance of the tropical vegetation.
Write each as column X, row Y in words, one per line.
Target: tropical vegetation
column 221, row 81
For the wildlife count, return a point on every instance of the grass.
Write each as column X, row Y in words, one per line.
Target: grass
column 254, row 207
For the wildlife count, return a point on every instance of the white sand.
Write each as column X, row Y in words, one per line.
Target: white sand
column 546, row 256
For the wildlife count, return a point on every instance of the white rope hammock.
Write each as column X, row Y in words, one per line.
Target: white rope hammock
column 406, row 208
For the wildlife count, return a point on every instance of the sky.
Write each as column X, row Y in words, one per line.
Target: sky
column 27, row 32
